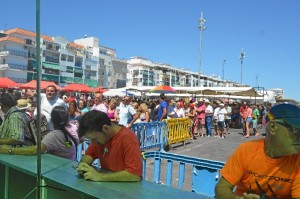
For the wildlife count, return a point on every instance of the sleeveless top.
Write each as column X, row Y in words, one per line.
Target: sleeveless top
column 111, row 115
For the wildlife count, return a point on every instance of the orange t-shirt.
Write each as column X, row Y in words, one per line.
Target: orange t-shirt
column 249, row 163
column 122, row 152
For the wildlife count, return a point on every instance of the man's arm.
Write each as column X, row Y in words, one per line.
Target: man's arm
column 135, row 117
column 163, row 114
column 223, row 190
column 89, row 173
column 26, row 150
column 9, row 141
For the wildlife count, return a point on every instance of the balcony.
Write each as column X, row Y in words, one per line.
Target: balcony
column 14, row 52
column 3, row 66
column 17, row 66
column 51, row 59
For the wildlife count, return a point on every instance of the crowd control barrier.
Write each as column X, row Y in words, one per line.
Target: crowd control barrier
column 151, row 134
column 205, row 173
column 178, row 130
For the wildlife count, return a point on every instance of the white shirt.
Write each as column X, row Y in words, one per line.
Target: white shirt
column 47, row 106
column 221, row 114
column 179, row 113
column 216, row 113
column 100, row 107
column 209, row 110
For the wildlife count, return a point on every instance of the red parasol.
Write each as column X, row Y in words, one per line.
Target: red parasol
column 163, row 89
column 83, row 88
column 99, row 89
column 44, row 84
column 6, row 82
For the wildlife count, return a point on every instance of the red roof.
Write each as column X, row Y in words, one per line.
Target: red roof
column 76, row 45
column 28, row 33
column 13, row 39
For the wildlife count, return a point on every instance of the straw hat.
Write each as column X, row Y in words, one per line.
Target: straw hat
column 23, row 104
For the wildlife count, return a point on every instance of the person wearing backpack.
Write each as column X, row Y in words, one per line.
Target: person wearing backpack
column 60, row 142
column 14, row 129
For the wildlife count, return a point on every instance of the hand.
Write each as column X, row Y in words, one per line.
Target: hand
column 250, row 196
column 88, row 172
column 129, row 126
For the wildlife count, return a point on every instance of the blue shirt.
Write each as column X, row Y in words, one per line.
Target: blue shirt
column 162, row 105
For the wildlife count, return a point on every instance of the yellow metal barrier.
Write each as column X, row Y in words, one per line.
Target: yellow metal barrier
column 178, row 130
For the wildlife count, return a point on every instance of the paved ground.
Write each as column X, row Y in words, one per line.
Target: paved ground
column 213, row 148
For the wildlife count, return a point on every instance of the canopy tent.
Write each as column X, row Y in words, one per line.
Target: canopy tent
column 99, row 89
column 44, row 84
column 163, row 89
column 114, row 92
column 6, row 82
column 83, row 88
column 239, row 91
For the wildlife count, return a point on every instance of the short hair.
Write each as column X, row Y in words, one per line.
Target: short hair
column 93, row 121
column 8, row 100
column 52, row 87
column 162, row 96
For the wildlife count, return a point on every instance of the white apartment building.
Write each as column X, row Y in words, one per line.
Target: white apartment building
column 144, row 72
column 62, row 61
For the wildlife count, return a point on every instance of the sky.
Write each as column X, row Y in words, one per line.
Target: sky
column 165, row 31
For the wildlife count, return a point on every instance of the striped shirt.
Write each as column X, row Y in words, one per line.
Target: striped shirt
column 15, row 126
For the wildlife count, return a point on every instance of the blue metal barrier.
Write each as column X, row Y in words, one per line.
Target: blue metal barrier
column 205, row 173
column 151, row 134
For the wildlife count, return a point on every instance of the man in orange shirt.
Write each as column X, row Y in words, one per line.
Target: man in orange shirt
column 269, row 167
column 116, row 146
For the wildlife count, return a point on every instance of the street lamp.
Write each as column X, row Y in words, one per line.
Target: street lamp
column 242, row 56
column 224, row 61
column 201, row 28
column 256, row 80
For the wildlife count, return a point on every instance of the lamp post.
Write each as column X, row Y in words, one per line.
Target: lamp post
column 256, row 80
column 201, row 28
column 242, row 56
column 223, row 77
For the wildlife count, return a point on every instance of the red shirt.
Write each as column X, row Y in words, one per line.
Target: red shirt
column 244, row 111
column 121, row 153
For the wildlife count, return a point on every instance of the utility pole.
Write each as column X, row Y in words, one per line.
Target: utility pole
column 256, row 80
column 242, row 56
column 201, row 28
column 223, row 77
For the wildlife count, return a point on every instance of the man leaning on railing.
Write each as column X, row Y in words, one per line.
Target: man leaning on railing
column 116, row 146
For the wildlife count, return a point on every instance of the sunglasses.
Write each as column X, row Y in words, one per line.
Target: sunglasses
column 292, row 129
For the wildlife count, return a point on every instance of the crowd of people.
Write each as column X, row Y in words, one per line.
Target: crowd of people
column 208, row 118
column 106, row 122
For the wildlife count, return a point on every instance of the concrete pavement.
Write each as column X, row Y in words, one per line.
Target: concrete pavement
column 213, row 148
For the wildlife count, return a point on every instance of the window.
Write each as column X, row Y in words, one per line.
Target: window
column 63, row 57
column 3, row 61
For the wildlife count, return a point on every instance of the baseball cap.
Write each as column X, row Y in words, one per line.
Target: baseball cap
column 221, row 104
column 206, row 100
column 287, row 112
